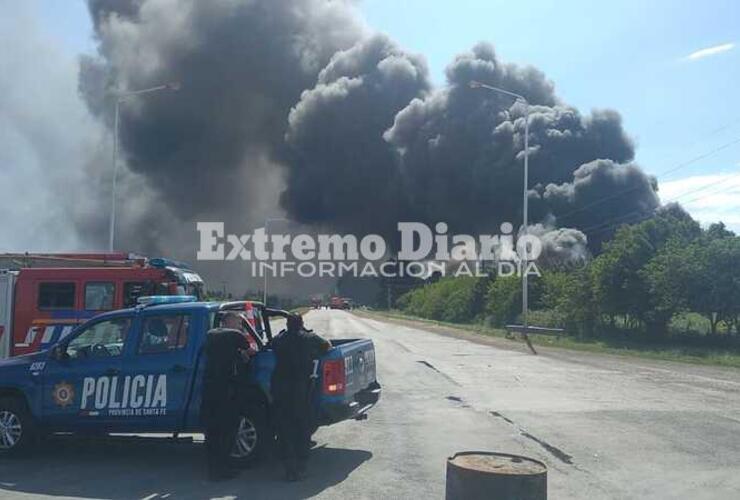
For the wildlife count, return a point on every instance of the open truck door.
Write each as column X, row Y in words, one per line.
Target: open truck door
column 7, row 286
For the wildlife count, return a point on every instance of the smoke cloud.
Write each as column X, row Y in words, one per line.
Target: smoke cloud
column 561, row 247
column 343, row 123
column 461, row 149
column 601, row 193
column 209, row 150
column 341, row 171
column 47, row 138
column 295, row 108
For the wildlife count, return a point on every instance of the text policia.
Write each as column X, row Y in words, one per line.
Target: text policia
column 138, row 395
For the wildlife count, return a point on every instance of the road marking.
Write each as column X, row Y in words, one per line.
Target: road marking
column 552, row 450
column 431, row 366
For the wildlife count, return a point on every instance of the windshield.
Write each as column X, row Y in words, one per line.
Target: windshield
column 189, row 283
column 101, row 339
column 194, row 289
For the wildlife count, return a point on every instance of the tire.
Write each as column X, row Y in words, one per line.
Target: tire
column 254, row 436
column 18, row 433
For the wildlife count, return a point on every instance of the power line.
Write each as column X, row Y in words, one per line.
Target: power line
column 700, row 157
column 663, row 174
column 613, row 221
column 637, row 212
column 720, row 181
column 711, row 133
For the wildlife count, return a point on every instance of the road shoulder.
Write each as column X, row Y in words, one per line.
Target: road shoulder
column 597, row 359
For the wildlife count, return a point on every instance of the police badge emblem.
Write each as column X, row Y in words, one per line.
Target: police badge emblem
column 64, row 394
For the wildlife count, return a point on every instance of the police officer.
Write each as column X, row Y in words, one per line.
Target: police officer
column 227, row 353
column 296, row 349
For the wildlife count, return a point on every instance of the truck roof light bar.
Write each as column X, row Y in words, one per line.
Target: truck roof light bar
column 154, row 300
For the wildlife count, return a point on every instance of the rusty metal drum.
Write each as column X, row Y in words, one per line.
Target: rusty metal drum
column 478, row 475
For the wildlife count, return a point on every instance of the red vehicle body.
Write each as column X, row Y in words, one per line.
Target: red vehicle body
column 46, row 296
column 340, row 303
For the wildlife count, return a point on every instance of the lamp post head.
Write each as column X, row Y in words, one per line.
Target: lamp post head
column 175, row 86
column 475, row 84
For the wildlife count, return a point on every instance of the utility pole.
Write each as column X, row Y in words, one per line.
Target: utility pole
column 525, row 201
column 121, row 97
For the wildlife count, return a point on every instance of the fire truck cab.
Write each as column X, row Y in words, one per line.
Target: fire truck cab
column 44, row 296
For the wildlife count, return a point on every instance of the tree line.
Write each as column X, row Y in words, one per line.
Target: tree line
column 645, row 277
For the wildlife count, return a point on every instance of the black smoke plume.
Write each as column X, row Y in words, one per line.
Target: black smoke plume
column 341, row 171
column 208, row 150
column 460, row 149
column 295, row 106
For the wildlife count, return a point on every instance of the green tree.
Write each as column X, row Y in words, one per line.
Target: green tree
column 569, row 295
column 504, row 300
column 671, row 276
column 714, row 290
column 717, row 231
column 452, row 299
column 620, row 284
column 615, row 282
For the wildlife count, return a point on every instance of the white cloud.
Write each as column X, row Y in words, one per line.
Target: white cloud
column 710, row 51
column 708, row 198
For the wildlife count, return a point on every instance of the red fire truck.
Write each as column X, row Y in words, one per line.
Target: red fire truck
column 44, row 296
column 340, row 303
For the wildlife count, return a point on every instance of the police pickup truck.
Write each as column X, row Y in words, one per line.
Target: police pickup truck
column 140, row 370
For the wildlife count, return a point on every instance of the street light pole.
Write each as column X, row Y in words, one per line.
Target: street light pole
column 267, row 234
column 112, row 225
column 525, row 216
column 264, row 287
column 525, row 200
column 120, row 97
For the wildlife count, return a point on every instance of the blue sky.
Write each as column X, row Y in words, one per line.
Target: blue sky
column 630, row 55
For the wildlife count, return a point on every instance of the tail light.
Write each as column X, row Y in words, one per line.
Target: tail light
column 333, row 377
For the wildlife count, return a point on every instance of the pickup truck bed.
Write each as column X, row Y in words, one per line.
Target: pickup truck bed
column 362, row 390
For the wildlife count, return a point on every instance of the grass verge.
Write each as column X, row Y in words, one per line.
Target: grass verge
column 610, row 345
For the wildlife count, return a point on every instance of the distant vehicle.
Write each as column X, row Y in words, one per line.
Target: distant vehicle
column 340, row 303
column 44, row 296
column 140, row 370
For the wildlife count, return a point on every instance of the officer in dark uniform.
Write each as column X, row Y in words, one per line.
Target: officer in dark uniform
column 296, row 349
column 227, row 354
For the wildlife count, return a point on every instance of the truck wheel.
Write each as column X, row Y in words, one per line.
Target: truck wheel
column 17, row 429
column 254, row 436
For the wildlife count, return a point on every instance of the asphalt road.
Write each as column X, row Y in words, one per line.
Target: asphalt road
column 607, row 427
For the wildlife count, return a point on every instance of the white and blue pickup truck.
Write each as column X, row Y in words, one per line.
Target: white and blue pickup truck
column 140, row 370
